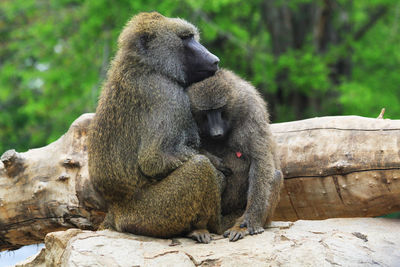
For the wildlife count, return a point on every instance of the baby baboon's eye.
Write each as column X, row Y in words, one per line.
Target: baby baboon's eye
column 204, row 117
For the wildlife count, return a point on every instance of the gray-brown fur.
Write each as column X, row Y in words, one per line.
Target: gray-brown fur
column 143, row 140
column 254, row 185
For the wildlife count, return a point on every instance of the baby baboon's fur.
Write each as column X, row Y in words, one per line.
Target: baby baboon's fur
column 239, row 134
column 143, row 139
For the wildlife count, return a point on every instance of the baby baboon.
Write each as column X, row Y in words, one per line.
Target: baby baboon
column 235, row 134
column 143, row 140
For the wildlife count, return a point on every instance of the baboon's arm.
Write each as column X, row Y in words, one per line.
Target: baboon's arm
column 163, row 146
column 263, row 184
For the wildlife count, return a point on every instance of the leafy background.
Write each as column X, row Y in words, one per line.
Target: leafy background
column 307, row 57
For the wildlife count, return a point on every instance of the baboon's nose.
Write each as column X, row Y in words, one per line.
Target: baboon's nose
column 217, row 134
column 215, row 61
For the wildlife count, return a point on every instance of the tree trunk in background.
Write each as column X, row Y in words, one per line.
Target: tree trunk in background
column 320, row 24
column 333, row 167
column 291, row 29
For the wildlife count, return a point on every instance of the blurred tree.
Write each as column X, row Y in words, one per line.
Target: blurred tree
column 307, row 57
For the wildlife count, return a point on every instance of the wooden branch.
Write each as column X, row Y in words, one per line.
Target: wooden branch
column 382, row 113
column 339, row 167
column 333, row 167
column 47, row 189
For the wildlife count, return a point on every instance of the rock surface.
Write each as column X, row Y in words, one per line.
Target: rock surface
column 332, row 242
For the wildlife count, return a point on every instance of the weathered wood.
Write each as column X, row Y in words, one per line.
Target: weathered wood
column 333, row 167
column 47, row 189
column 346, row 166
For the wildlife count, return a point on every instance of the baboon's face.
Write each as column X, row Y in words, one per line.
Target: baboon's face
column 199, row 62
column 213, row 123
column 169, row 46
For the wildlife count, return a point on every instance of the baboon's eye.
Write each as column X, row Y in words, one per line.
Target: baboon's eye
column 187, row 36
column 223, row 113
column 202, row 116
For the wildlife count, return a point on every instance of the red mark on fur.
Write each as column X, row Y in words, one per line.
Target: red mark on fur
column 238, row 154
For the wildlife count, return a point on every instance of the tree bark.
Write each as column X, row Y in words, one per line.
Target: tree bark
column 333, row 167
column 47, row 189
column 346, row 166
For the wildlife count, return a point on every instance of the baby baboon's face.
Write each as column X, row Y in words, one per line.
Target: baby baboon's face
column 213, row 123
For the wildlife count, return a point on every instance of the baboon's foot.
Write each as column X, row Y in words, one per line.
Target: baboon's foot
column 201, row 236
column 255, row 230
column 236, row 232
column 251, row 228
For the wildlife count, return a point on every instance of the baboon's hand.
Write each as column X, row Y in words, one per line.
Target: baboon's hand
column 218, row 163
column 171, row 163
column 176, row 164
column 252, row 228
column 235, row 233
column 186, row 154
column 158, row 165
column 225, row 170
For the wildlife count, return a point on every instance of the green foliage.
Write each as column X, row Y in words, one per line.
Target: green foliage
column 375, row 81
column 306, row 71
column 54, row 56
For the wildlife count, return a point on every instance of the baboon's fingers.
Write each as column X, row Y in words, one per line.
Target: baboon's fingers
column 226, row 233
column 235, row 236
column 226, row 171
column 206, row 238
column 201, row 236
column 235, row 233
column 255, row 230
column 259, row 230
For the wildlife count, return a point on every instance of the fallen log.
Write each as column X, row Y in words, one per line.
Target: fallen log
column 333, row 166
column 47, row 189
column 346, row 166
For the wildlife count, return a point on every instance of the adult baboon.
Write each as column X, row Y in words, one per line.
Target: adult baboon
column 143, row 139
column 235, row 134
